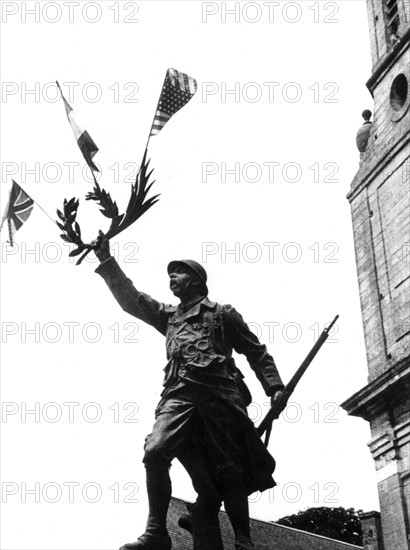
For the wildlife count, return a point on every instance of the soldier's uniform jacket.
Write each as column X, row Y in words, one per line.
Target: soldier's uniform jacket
column 199, row 340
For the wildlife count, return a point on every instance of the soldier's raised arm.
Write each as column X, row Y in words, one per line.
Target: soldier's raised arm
column 133, row 301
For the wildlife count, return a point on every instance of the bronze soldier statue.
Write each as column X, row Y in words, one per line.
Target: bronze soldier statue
column 201, row 418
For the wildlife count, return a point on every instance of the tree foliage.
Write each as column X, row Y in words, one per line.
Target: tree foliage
column 336, row 523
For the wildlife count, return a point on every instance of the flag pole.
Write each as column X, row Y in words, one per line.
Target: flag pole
column 6, row 210
column 8, row 219
column 153, row 119
column 41, row 208
column 62, row 97
column 156, row 109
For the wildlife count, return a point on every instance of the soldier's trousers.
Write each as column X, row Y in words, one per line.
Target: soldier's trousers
column 216, row 421
column 195, row 426
column 194, row 416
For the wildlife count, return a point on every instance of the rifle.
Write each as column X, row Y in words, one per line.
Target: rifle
column 280, row 404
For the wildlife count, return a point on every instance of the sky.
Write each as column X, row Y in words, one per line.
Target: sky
column 253, row 174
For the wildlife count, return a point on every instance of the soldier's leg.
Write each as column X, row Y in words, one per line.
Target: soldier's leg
column 169, row 433
column 202, row 519
column 235, row 498
column 225, row 453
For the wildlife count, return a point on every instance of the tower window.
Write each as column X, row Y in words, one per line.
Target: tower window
column 398, row 92
column 391, row 13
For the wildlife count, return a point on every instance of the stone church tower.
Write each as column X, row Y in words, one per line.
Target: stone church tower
column 380, row 206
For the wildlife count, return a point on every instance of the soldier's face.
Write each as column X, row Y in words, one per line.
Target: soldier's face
column 183, row 283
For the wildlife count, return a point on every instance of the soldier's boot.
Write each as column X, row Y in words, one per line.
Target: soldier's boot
column 206, row 531
column 203, row 524
column 237, row 508
column 185, row 521
column 156, row 536
column 149, row 542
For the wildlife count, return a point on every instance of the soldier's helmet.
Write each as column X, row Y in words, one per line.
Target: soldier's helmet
column 195, row 267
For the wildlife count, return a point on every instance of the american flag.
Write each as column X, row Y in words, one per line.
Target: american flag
column 177, row 90
column 17, row 211
column 83, row 138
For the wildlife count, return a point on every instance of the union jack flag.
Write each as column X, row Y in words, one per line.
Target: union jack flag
column 17, row 211
column 177, row 90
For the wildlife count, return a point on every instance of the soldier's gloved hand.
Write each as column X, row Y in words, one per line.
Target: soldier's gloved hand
column 275, row 397
column 102, row 247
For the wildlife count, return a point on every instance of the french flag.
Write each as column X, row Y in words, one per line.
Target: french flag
column 83, row 138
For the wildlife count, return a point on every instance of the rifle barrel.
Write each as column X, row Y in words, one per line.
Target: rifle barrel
column 274, row 412
column 310, row 356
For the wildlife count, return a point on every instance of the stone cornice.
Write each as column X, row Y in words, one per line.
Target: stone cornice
column 369, row 173
column 389, row 59
column 381, row 393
